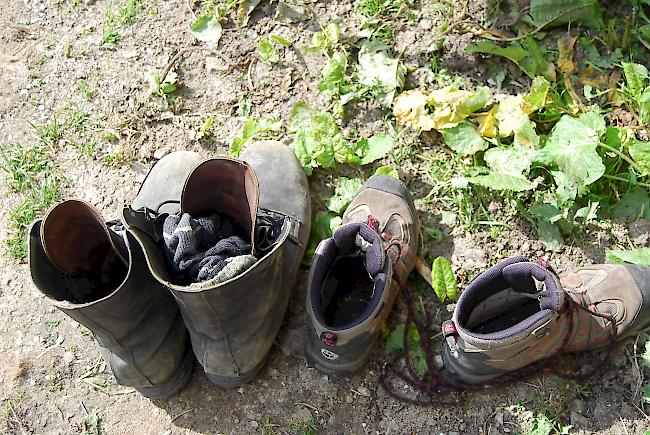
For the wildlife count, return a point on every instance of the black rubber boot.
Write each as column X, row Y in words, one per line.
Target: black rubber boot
column 96, row 273
column 233, row 323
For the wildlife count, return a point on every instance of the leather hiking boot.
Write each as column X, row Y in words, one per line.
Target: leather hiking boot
column 519, row 312
column 234, row 318
column 96, row 273
column 356, row 275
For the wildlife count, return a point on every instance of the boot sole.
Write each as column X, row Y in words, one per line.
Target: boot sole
column 229, row 382
column 460, row 375
column 337, row 370
column 175, row 384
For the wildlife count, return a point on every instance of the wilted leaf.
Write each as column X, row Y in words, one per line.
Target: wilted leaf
column 640, row 256
column 553, row 13
column 496, row 181
column 380, row 71
column 512, row 120
column 411, row 110
column 443, row 280
column 464, row 139
column 344, row 193
column 514, row 51
column 207, row 29
column 267, row 52
column 565, row 45
column 452, row 105
column 376, row 147
column 535, row 100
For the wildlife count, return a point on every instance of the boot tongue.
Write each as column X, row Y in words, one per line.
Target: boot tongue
column 523, row 277
column 355, row 237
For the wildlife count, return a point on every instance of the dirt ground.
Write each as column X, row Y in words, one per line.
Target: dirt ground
column 47, row 361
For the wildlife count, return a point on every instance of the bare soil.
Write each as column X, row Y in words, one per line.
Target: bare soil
column 48, row 46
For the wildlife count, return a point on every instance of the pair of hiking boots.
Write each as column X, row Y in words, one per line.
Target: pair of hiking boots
column 513, row 315
column 112, row 277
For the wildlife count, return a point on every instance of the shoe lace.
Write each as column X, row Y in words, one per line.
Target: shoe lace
column 434, row 387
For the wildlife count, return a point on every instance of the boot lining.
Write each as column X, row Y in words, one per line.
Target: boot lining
column 502, row 311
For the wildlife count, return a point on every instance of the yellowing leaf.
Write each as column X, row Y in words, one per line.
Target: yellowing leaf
column 411, row 110
column 451, row 105
column 565, row 46
column 512, row 120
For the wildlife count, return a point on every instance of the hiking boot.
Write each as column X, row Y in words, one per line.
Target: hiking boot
column 519, row 312
column 356, row 275
column 234, row 317
column 96, row 273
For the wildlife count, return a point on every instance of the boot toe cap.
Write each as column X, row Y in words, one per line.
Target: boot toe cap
column 641, row 275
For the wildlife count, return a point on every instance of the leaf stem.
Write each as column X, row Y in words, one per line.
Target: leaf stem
column 621, row 155
column 636, row 183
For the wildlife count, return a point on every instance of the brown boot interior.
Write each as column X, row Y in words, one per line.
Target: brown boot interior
column 223, row 186
column 78, row 243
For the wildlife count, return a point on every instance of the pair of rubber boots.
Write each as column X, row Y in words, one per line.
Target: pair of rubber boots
column 510, row 316
column 112, row 278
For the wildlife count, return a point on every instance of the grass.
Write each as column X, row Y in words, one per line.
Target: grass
column 304, row 427
column 113, row 20
column 85, row 90
column 9, row 420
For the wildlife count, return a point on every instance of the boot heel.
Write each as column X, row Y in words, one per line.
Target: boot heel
column 176, row 383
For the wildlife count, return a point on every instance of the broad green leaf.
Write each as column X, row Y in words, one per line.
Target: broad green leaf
column 514, row 51
column 536, row 98
column 411, row 110
column 513, row 121
column 376, row 147
column 282, row 41
column 644, row 106
column 509, row 160
column 464, row 139
column 443, row 280
column 387, row 170
column 333, row 74
column 537, row 63
column 587, row 213
column 395, row 342
column 321, row 228
column 640, row 153
column 252, row 128
column 379, row 71
column 300, row 118
column 553, row 13
column 541, row 425
column 332, row 33
column 640, row 256
column 633, row 205
column 344, row 193
column 319, row 142
column 546, row 215
column 207, row 29
column 452, row 105
column 326, row 39
column 267, row 52
column 496, row 181
column 571, row 146
column 635, row 77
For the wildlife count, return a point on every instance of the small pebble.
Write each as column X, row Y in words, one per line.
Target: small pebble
column 349, row 399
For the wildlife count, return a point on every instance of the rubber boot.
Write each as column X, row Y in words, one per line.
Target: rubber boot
column 519, row 312
column 356, row 275
column 233, row 323
column 96, row 273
